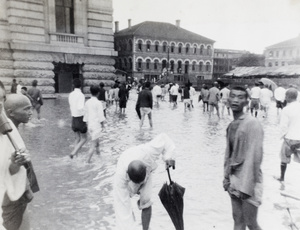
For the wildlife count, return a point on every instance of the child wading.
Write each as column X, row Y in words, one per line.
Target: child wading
column 94, row 116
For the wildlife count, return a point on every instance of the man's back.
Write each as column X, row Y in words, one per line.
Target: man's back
column 76, row 102
column 145, row 98
column 255, row 92
column 290, row 121
column 225, row 93
column 279, row 94
column 213, row 95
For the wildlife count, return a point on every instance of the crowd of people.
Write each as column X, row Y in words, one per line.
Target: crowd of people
column 134, row 172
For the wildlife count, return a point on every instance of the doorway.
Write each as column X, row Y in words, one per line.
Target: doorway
column 64, row 75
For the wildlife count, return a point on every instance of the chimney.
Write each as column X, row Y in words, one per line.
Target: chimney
column 178, row 23
column 116, row 26
column 129, row 23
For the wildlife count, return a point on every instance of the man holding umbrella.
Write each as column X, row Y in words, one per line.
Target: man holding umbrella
column 134, row 176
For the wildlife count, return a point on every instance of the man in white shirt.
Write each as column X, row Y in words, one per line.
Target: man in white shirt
column 156, row 92
column 279, row 95
column 224, row 93
column 76, row 102
column 12, row 174
column 134, row 176
column 94, row 116
column 265, row 99
column 255, row 94
column 289, row 127
column 192, row 94
column 174, row 93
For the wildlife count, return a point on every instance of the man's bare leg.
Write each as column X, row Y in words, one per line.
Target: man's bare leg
column 80, row 139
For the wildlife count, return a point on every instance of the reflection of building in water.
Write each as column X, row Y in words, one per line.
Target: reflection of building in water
column 151, row 49
column 283, row 53
column 225, row 60
column 55, row 41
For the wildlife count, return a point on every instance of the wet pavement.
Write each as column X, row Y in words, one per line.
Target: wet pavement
column 76, row 195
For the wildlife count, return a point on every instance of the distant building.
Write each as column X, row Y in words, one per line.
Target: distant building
column 55, row 41
column 152, row 50
column 283, row 53
column 225, row 60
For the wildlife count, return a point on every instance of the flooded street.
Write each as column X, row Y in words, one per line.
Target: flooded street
column 76, row 195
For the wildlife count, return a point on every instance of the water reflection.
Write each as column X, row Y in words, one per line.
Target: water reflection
column 77, row 195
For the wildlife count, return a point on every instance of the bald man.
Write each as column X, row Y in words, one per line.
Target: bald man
column 19, row 109
column 12, row 173
column 289, row 128
column 134, row 176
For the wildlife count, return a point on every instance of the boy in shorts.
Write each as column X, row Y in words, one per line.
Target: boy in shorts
column 94, row 117
column 76, row 102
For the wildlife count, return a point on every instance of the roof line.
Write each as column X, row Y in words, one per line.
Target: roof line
column 138, row 27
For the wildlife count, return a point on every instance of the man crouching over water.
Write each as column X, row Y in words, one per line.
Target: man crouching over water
column 134, row 176
column 243, row 158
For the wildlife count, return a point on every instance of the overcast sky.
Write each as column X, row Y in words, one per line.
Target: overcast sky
column 234, row 24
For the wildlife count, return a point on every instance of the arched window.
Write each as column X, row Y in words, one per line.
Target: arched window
column 125, row 46
column 172, row 48
column 201, row 66
column 164, row 64
column 209, row 50
column 125, row 63
column 130, row 63
column 139, row 64
column 120, row 63
column 148, row 64
column 195, row 49
column 187, row 48
column 172, row 65
column 194, row 66
column 130, row 45
column 164, row 47
column 64, row 16
column 276, row 63
column 201, row 49
column 140, row 43
column 148, row 45
column 270, row 64
column 180, row 48
column 271, row 54
column 156, row 46
column 155, row 64
column 208, row 67
column 179, row 67
column 186, row 67
column 283, row 63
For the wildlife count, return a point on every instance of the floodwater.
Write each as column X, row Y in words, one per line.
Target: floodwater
column 76, row 195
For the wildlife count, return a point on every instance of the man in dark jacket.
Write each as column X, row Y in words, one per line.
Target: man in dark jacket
column 145, row 103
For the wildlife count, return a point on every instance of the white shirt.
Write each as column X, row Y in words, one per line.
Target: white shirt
column 290, row 121
column 148, row 153
column 13, row 185
column 192, row 92
column 156, row 90
column 174, row 90
column 225, row 93
column 94, row 114
column 279, row 94
column 76, row 102
column 255, row 92
column 265, row 96
column 19, row 89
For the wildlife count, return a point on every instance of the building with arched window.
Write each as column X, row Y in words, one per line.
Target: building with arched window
column 162, row 50
column 55, row 41
column 283, row 53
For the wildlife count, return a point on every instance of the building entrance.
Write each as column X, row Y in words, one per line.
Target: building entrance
column 64, row 75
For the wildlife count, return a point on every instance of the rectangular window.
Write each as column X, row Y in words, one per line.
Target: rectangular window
column 64, row 15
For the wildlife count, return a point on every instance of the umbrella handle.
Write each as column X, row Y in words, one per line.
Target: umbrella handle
column 171, row 182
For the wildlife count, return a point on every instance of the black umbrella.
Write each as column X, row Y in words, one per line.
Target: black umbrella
column 138, row 111
column 171, row 197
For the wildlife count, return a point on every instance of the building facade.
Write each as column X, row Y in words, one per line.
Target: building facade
column 156, row 50
column 225, row 60
column 283, row 53
column 54, row 41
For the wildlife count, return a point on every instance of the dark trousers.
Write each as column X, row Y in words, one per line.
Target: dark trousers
column 244, row 214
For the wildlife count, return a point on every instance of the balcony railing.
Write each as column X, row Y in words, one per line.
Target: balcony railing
column 66, row 38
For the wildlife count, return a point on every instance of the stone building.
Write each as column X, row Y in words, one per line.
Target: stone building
column 55, row 41
column 283, row 53
column 152, row 50
column 225, row 60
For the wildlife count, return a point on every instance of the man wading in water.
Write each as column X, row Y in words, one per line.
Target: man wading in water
column 243, row 158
